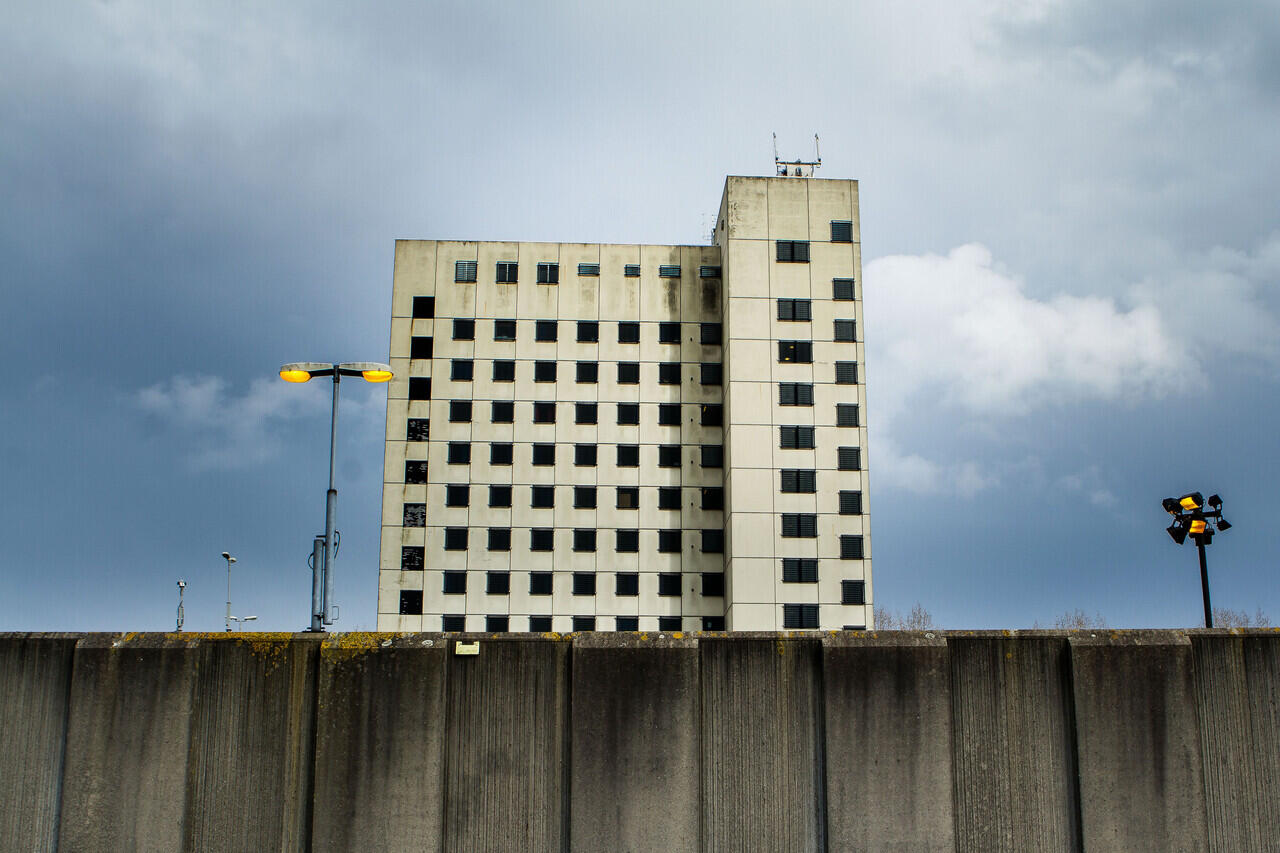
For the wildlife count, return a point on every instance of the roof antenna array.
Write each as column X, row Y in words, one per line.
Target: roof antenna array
column 796, row 168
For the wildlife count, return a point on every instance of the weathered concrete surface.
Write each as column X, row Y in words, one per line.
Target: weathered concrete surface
column 887, row 704
column 380, row 743
column 1141, row 774
column 764, row 779
column 35, row 679
column 1088, row 741
column 1014, row 744
column 636, row 746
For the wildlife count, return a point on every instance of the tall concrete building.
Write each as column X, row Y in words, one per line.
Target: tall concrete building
column 632, row 437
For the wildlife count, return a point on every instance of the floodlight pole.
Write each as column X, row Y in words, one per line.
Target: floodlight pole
column 1204, row 583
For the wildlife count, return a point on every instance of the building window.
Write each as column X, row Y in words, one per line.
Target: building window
column 711, row 373
column 544, row 371
column 713, row 584
column 628, row 541
column 588, row 331
column 420, row 388
column 668, row 542
column 541, row 539
column 842, row 289
column 455, row 538
column 457, row 494
column 851, row 548
column 499, row 540
column 500, row 496
column 415, row 471
column 507, row 272
column 709, row 334
column 853, row 592
column 584, row 623
column 846, row 414
column 793, row 251
column 540, row 623
column 453, row 622
column 546, row 331
column 504, row 371
column 796, row 437
column 846, row 373
column 668, row 497
column 713, row 623
column 628, row 584
column 712, row 414
column 459, row 453
column 584, row 497
column 411, row 558
column 799, row 480
column 844, row 331
column 795, row 393
column 420, row 347
column 668, row 623
column 584, row 540
column 455, row 583
column 628, row 333
column 542, row 497
column 631, row 270
column 627, row 623
column 708, row 272
column 548, row 273
column 544, row 413
column 668, row 333
column 461, row 370
column 464, row 330
column 669, row 583
column 795, row 310
column 668, row 456
column 424, row 307
column 584, row 583
column 668, row 414
column 669, row 271
column 588, row 372
column 799, row 525
column 628, row 497
column 584, row 455
column 799, row 570
column 502, row 412
column 849, row 458
column 712, row 542
column 841, row 231
column 418, row 429
column 504, row 330
column 585, row 413
column 464, row 271
column 460, row 411
column 540, row 584
column 544, row 453
column 628, row 456
column 588, row 269
column 629, row 414
column 712, row 456
column 498, row 583
column 501, row 453
column 800, row 616
column 628, row 373
column 496, row 624
column 669, row 373
column 410, row 602
column 798, row 352
column 713, row 498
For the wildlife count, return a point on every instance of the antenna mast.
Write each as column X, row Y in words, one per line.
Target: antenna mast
column 796, row 168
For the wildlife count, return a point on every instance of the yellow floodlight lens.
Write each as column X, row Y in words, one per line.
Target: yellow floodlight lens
column 1191, row 501
column 377, row 375
column 295, row 375
column 1197, row 526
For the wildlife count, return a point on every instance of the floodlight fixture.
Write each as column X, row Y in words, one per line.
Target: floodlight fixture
column 1171, row 506
column 1192, row 501
column 1190, row 518
column 1177, row 532
column 1214, row 501
column 1223, row 524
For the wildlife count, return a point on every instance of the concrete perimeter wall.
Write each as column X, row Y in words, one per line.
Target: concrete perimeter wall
column 939, row 741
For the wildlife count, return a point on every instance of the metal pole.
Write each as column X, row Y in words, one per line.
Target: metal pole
column 228, row 595
column 317, row 582
column 331, row 504
column 1204, row 583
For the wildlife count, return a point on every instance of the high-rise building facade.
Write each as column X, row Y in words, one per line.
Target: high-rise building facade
column 630, row 437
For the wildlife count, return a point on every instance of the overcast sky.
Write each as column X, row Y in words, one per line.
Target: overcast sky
column 1071, row 244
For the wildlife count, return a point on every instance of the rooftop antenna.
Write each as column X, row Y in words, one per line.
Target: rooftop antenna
column 796, row 168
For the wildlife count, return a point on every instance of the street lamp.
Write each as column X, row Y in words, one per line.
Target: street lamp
column 182, row 587
column 1190, row 518
column 230, row 559
column 322, row 564
column 242, row 619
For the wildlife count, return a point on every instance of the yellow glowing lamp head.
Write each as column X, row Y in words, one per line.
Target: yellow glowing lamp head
column 1197, row 525
column 1191, row 501
column 369, row 371
column 295, row 375
column 377, row 375
column 301, row 371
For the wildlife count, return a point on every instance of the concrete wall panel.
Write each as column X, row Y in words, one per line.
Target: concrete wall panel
column 1262, row 690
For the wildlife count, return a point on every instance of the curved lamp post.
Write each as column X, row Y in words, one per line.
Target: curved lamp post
column 1191, row 518
column 322, row 568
